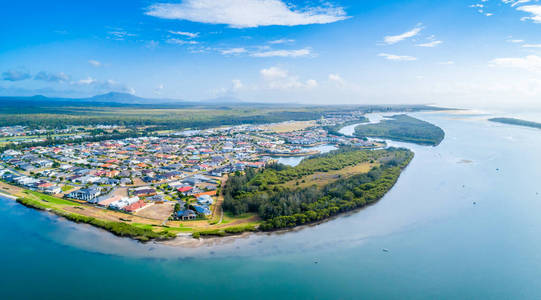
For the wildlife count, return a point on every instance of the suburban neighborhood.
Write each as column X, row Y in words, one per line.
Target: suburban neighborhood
column 172, row 176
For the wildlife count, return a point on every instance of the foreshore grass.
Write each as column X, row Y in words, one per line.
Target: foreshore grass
column 234, row 230
column 117, row 228
column 51, row 199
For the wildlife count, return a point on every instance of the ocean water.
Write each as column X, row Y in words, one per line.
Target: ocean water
column 462, row 222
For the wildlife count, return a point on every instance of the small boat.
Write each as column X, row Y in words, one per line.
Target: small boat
column 316, row 260
column 385, row 250
column 474, row 202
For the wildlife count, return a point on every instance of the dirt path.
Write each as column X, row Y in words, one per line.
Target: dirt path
column 219, row 202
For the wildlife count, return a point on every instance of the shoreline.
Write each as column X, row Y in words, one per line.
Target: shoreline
column 186, row 240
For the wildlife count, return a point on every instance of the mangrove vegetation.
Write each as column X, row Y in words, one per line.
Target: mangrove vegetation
column 263, row 192
column 403, row 128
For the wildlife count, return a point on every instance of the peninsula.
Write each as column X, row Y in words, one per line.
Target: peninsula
column 403, row 128
column 518, row 122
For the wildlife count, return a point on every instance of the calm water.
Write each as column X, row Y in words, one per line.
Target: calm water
column 441, row 245
column 295, row 160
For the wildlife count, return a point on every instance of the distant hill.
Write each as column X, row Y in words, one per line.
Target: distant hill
column 116, row 97
column 122, row 98
column 109, row 98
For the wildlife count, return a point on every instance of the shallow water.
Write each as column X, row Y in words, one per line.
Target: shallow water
column 295, row 160
column 440, row 244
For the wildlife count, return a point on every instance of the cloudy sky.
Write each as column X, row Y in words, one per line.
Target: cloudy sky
column 469, row 53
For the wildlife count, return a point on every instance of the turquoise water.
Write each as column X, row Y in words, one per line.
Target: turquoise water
column 440, row 244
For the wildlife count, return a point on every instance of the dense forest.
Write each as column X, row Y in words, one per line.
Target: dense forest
column 281, row 207
column 519, row 122
column 51, row 141
column 42, row 112
column 161, row 119
column 403, row 128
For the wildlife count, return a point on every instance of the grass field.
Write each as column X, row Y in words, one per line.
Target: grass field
column 289, row 126
column 66, row 188
column 321, row 179
column 49, row 199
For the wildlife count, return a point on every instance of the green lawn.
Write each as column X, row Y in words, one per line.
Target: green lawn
column 51, row 199
column 66, row 188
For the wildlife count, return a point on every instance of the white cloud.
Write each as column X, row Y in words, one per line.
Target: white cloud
column 281, row 41
column 158, row 89
column 181, row 42
column 87, row 81
column 534, row 10
column 237, row 84
column 516, row 41
column 393, row 39
column 283, row 53
column 311, row 83
column 276, row 78
column 530, row 63
column 449, row 62
column 515, row 2
column 233, row 51
column 16, row 75
column 95, row 63
column 246, row 13
column 51, row 77
column 431, row 44
column 152, row 44
column 480, row 8
column 531, row 46
column 93, row 85
column 337, row 79
column 184, row 33
column 397, row 57
column 120, row 35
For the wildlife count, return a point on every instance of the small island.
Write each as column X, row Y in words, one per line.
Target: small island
column 403, row 128
column 518, row 122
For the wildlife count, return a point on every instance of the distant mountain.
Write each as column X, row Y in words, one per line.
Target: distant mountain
column 112, row 97
column 115, row 97
column 123, row 99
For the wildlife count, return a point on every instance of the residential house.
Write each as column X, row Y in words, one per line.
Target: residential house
column 85, row 194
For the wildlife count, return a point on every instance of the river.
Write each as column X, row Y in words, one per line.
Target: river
column 463, row 221
column 295, row 160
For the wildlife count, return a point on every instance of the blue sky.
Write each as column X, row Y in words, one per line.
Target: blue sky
column 469, row 53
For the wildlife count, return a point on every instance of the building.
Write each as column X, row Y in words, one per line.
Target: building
column 205, row 200
column 144, row 192
column 85, row 194
column 187, row 214
column 124, row 202
column 185, row 189
column 134, row 206
column 202, row 209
